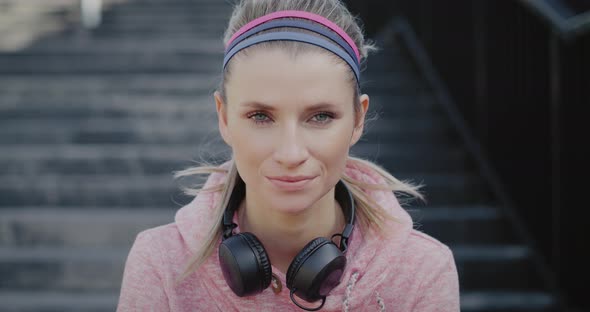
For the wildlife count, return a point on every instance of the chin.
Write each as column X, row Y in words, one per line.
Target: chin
column 292, row 202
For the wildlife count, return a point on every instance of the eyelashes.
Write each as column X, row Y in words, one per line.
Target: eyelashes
column 319, row 118
column 259, row 117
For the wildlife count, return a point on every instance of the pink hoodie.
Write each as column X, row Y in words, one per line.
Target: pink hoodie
column 407, row 271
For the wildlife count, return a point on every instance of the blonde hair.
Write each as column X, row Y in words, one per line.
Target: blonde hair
column 369, row 214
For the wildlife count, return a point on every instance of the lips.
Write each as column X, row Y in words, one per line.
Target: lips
column 291, row 178
column 291, row 183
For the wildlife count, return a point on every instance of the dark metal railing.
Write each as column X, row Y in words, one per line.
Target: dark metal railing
column 566, row 23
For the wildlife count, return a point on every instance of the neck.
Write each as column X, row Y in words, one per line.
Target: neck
column 284, row 235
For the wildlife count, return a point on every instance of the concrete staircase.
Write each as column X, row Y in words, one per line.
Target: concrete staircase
column 93, row 124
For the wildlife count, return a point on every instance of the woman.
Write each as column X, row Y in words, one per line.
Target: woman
column 292, row 221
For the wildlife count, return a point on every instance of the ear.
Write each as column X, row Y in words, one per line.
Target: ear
column 357, row 132
column 220, row 106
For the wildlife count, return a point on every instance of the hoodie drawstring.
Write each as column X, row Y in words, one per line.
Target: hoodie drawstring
column 380, row 302
column 349, row 287
column 347, row 296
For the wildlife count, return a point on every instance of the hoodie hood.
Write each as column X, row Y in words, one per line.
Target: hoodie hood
column 371, row 256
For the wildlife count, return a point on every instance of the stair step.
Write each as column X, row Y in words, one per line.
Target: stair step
column 525, row 301
column 388, row 64
column 101, row 46
column 153, row 7
column 483, row 225
column 165, row 24
column 160, row 16
column 78, row 227
column 132, row 105
column 97, row 34
column 446, row 188
column 163, row 191
column 396, row 130
column 413, row 157
column 55, row 268
column 122, row 63
column 126, row 130
column 403, row 104
column 496, row 267
column 91, row 190
column 159, row 30
column 195, row 84
column 398, row 82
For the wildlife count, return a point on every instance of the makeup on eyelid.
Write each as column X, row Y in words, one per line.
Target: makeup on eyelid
column 328, row 117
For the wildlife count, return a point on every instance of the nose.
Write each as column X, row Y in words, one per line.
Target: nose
column 291, row 150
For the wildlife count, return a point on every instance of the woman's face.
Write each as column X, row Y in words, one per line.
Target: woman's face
column 290, row 122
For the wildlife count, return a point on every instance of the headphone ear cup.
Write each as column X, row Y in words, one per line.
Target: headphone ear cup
column 245, row 264
column 316, row 270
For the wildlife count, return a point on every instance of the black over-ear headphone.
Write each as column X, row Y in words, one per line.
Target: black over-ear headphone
column 312, row 274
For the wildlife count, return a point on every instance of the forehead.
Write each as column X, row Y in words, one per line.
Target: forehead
column 276, row 76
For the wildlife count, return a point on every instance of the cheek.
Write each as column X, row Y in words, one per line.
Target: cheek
column 250, row 147
column 331, row 146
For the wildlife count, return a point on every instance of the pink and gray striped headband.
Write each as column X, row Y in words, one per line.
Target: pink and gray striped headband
column 345, row 48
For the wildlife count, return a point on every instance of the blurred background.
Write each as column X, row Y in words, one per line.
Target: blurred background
column 481, row 101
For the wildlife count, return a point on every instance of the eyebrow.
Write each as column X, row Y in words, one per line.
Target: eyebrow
column 262, row 106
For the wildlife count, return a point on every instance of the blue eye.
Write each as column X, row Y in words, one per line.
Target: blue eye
column 259, row 117
column 322, row 118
